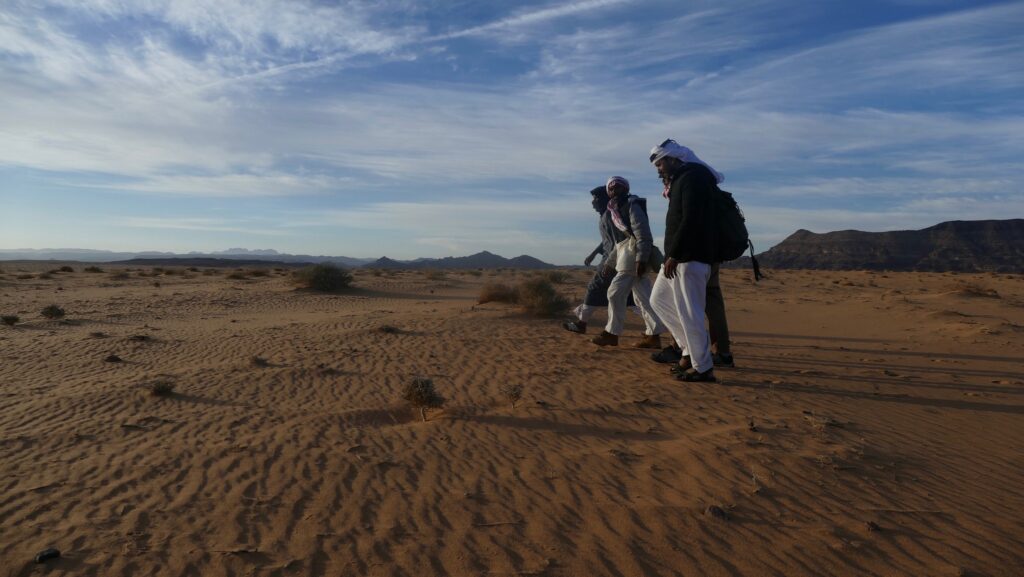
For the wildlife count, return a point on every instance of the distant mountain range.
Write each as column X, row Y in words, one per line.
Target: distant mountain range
column 268, row 257
column 968, row 246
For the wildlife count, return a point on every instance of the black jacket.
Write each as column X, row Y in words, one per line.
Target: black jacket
column 689, row 224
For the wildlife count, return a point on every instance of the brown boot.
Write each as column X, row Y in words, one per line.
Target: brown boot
column 606, row 339
column 649, row 342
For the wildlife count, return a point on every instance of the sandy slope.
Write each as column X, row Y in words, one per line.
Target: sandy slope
column 875, row 427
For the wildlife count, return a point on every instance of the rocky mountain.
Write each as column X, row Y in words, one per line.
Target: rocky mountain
column 482, row 259
column 969, row 246
column 264, row 257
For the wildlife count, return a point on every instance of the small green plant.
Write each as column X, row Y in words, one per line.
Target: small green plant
column 52, row 312
column 420, row 394
column 497, row 293
column 10, row 320
column 323, row 277
column 92, row 269
column 512, row 392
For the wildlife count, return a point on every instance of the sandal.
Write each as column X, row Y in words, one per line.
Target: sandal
column 692, row 376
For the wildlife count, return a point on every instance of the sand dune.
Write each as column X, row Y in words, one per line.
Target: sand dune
column 874, row 426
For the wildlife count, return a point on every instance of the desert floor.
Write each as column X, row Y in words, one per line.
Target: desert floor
column 874, row 426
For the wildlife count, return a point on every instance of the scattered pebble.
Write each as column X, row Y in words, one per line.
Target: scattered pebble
column 716, row 512
column 113, row 359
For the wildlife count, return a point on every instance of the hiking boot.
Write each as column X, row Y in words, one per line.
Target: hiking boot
column 575, row 327
column 606, row 339
column 692, row 376
column 667, row 355
column 723, row 360
column 649, row 342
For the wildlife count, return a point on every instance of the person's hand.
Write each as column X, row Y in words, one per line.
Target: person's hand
column 670, row 267
column 641, row 268
column 589, row 260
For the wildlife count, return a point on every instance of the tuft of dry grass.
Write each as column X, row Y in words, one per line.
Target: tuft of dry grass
column 538, row 297
column 52, row 312
column 389, row 329
column 258, row 361
column 420, row 394
column 512, row 392
column 92, row 269
column 555, row 276
column 161, row 388
column 10, row 320
column 497, row 293
column 434, row 274
column 65, row 268
column 323, row 277
column 259, row 272
column 238, row 275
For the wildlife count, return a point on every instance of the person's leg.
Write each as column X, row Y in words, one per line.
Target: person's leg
column 642, row 289
column 618, row 291
column 717, row 324
column 666, row 306
column 691, row 311
column 595, row 298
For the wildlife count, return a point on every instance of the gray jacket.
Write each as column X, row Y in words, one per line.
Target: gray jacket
column 634, row 215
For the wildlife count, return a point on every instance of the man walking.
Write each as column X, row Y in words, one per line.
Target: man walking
column 627, row 224
column 679, row 295
column 597, row 288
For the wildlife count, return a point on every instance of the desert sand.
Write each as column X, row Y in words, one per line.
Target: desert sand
column 874, row 425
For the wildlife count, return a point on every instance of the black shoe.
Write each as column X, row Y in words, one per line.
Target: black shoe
column 692, row 376
column 723, row 361
column 667, row 355
column 575, row 327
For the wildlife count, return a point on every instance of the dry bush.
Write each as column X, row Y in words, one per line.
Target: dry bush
column 555, row 276
column 391, row 330
column 323, row 277
column 420, row 394
column 24, row 276
column 65, row 269
column 474, row 272
column 46, row 275
column 120, row 276
column 434, row 274
column 92, row 269
column 261, row 272
column 52, row 312
column 238, row 275
column 10, row 320
column 161, row 388
column 512, row 393
column 497, row 293
column 538, row 297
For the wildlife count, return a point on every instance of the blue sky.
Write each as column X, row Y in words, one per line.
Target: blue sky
column 436, row 128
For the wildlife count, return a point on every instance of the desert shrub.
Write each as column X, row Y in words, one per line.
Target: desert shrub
column 238, row 275
column 259, row 272
column 157, row 270
column 538, row 297
column 120, row 276
column 173, row 271
column 192, row 269
column 65, row 269
column 25, row 276
column 420, row 394
column 92, row 269
column 323, row 277
column 512, row 392
column 497, row 293
column 474, row 273
column 434, row 274
column 377, row 272
column 391, row 330
column 555, row 276
column 10, row 320
column 46, row 275
column 161, row 388
column 52, row 312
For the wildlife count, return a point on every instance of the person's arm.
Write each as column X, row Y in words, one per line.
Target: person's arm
column 641, row 228
column 593, row 254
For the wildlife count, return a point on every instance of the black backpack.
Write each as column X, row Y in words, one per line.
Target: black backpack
column 731, row 237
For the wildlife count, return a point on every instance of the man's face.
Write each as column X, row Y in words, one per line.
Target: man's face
column 666, row 165
column 615, row 189
column 599, row 202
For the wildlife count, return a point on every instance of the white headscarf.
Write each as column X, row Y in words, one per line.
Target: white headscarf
column 675, row 150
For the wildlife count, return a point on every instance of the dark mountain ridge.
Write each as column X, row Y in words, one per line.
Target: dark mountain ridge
column 967, row 246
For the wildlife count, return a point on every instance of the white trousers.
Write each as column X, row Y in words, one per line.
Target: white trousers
column 618, row 294
column 584, row 312
column 680, row 302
